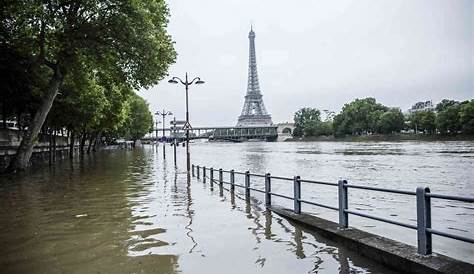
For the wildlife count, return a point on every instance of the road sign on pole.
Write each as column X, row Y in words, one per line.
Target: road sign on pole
column 177, row 122
column 187, row 126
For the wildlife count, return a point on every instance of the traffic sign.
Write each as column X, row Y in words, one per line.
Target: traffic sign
column 178, row 122
column 187, row 126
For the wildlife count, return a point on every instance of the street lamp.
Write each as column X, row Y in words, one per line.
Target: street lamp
column 187, row 126
column 175, row 143
column 156, row 128
column 164, row 113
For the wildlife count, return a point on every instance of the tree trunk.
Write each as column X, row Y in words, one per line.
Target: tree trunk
column 96, row 140
column 24, row 151
column 82, row 144
column 71, row 145
column 89, row 146
column 50, row 147
column 54, row 145
column 4, row 115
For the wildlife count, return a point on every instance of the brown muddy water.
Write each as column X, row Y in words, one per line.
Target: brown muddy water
column 130, row 211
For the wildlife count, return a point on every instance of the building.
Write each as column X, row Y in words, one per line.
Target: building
column 422, row 106
column 253, row 111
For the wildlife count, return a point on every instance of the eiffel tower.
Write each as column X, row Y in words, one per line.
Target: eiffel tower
column 253, row 112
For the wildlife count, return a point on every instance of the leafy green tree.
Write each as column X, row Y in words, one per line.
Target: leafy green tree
column 423, row 121
column 466, row 114
column 306, row 120
column 308, row 123
column 140, row 121
column 358, row 117
column 428, row 121
column 444, row 104
column 125, row 39
column 391, row 121
column 448, row 120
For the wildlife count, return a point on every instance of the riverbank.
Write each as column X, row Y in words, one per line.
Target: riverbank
column 384, row 138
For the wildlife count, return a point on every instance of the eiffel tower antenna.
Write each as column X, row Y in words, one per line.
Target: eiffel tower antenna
column 253, row 111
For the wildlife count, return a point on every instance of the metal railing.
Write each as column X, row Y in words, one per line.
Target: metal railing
column 422, row 194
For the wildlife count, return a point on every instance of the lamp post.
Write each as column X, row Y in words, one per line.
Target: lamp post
column 187, row 126
column 164, row 113
column 156, row 128
column 174, row 139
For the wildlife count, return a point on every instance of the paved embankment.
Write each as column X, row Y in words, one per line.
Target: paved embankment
column 394, row 254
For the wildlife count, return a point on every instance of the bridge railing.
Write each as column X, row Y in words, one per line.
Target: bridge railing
column 422, row 195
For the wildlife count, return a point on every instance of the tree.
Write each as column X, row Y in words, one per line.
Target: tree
column 358, row 117
column 466, row 114
column 444, row 104
column 306, row 122
column 140, row 120
column 428, row 121
column 424, row 121
column 125, row 39
column 448, row 120
column 391, row 121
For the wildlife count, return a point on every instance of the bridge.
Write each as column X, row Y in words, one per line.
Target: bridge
column 235, row 134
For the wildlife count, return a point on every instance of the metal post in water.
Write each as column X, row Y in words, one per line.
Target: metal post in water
column 297, row 194
column 211, row 177
column 198, row 172
column 247, row 185
column 268, row 190
column 174, row 149
column 204, row 174
column 423, row 220
column 221, row 175
column 343, row 204
column 192, row 169
column 232, row 180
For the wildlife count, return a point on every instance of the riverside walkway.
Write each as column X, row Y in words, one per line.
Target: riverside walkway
column 391, row 253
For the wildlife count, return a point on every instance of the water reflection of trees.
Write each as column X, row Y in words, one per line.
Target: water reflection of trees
column 80, row 218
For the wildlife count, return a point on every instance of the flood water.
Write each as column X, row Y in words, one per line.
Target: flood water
column 130, row 211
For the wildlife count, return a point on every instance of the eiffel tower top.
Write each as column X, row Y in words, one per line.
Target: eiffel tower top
column 253, row 111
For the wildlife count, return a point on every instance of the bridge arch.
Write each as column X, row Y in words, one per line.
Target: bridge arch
column 286, row 130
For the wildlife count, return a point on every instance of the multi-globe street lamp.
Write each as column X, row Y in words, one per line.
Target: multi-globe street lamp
column 164, row 113
column 187, row 126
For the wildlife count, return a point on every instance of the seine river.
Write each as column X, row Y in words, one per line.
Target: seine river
column 124, row 211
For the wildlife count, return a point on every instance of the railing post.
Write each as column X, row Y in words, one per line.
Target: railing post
column 423, row 220
column 211, row 177
column 192, row 169
column 198, row 172
column 221, row 177
column 268, row 190
column 204, row 174
column 297, row 194
column 343, row 204
column 247, row 185
column 232, row 180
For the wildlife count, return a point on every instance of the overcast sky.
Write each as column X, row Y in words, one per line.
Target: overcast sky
column 317, row 54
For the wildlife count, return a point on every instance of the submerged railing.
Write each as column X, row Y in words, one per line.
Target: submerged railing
column 422, row 194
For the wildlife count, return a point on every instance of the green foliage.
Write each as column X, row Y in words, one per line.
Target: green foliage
column 308, row 123
column 391, row 121
column 140, row 119
column 92, row 53
column 448, row 120
column 466, row 114
column 358, row 117
column 423, row 121
column 444, row 104
column 306, row 120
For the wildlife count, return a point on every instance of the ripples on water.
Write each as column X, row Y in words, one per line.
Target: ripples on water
column 446, row 167
column 129, row 212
